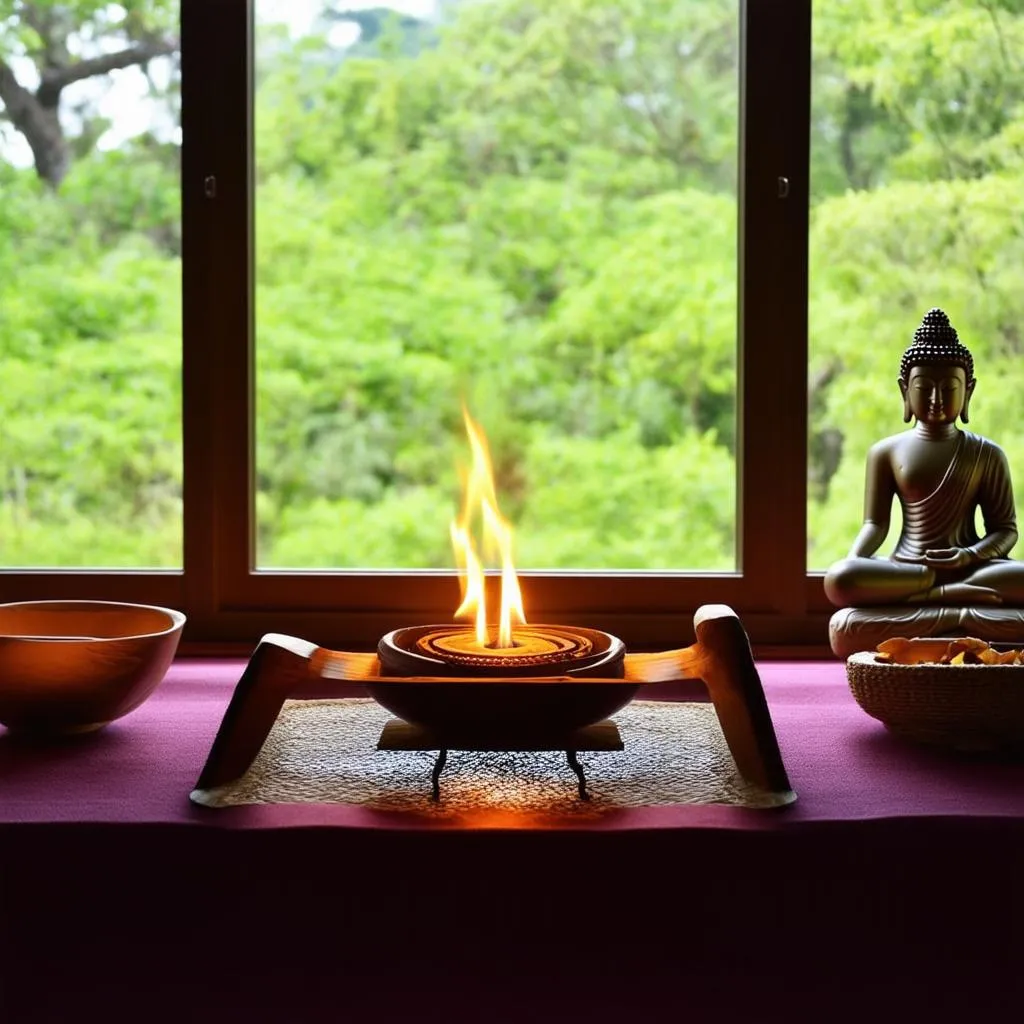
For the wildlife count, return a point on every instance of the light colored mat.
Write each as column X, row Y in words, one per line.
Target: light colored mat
column 324, row 751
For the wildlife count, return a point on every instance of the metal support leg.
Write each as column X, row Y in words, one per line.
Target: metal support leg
column 435, row 776
column 575, row 765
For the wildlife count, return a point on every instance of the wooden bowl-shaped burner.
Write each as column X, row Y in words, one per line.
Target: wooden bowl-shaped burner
column 561, row 679
column 71, row 667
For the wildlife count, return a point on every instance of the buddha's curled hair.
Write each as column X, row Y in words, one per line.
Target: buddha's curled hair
column 936, row 341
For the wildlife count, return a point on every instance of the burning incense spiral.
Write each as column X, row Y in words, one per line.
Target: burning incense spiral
column 453, row 650
column 534, row 645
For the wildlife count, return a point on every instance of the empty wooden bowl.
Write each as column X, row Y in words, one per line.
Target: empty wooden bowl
column 70, row 667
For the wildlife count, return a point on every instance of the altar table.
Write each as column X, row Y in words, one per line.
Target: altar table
column 890, row 890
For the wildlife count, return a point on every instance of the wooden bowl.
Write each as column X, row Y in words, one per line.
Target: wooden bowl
column 485, row 710
column 71, row 667
column 963, row 707
column 504, row 705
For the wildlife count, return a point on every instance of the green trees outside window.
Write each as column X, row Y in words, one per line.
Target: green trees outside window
column 528, row 204
column 90, row 285
column 917, row 179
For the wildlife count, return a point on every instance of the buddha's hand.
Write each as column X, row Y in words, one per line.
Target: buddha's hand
column 941, row 558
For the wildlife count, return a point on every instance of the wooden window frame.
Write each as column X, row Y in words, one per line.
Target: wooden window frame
column 227, row 601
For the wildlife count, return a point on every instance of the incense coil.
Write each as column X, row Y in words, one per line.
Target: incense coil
column 452, row 650
column 420, row 683
column 536, row 646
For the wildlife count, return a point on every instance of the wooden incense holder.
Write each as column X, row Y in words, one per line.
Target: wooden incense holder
column 282, row 666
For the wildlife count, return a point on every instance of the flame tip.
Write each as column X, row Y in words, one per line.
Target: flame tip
column 480, row 495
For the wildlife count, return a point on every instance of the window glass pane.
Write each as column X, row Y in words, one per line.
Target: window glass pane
column 917, row 179
column 529, row 205
column 90, row 271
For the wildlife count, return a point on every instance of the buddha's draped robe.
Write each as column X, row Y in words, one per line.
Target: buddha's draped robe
column 977, row 476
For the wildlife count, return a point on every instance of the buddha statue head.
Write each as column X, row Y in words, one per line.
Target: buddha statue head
column 936, row 373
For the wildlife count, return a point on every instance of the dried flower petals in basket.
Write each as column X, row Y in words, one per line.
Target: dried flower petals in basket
column 966, row 651
column 960, row 693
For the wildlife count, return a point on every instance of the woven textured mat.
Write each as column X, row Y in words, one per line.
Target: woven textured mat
column 324, row 751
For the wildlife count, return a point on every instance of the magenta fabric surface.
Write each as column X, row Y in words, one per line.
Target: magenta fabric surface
column 843, row 765
column 890, row 891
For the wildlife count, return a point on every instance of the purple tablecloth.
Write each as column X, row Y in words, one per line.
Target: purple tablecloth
column 894, row 881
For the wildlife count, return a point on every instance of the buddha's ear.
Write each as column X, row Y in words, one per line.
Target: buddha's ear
column 907, row 413
column 967, row 400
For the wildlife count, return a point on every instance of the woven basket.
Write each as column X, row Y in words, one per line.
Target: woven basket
column 966, row 707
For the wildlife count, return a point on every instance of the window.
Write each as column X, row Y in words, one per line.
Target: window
column 485, row 217
column 230, row 454
column 90, row 288
column 916, row 177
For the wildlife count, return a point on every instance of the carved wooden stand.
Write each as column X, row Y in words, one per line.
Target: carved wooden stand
column 282, row 666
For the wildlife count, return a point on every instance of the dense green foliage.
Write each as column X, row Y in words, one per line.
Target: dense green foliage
column 529, row 205
column 926, row 102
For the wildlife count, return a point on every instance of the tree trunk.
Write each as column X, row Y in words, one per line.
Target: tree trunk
column 39, row 122
column 36, row 114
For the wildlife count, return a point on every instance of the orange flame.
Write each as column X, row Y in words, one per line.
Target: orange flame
column 479, row 496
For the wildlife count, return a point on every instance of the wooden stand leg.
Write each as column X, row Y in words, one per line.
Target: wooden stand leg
column 278, row 667
column 727, row 667
column 575, row 765
column 435, row 775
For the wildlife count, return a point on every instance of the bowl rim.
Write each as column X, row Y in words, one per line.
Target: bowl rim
column 614, row 650
column 177, row 618
column 868, row 658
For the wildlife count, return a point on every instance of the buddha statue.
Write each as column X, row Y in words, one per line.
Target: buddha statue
column 942, row 578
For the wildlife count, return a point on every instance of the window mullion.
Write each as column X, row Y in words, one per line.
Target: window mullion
column 217, row 298
column 772, row 384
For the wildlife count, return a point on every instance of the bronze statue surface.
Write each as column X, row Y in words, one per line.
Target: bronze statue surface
column 941, row 476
